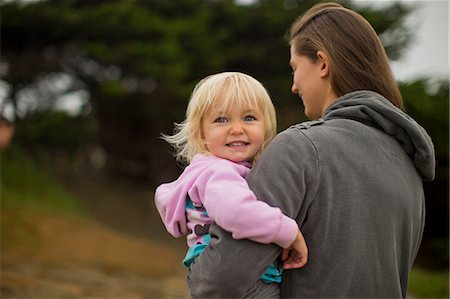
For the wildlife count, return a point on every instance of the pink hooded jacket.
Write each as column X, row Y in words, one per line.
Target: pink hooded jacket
column 219, row 186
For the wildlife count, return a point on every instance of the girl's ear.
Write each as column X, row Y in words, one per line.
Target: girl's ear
column 324, row 61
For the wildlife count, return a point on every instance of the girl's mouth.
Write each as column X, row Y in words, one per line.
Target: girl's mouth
column 237, row 143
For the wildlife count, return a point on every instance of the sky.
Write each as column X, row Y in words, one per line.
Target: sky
column 428, row 54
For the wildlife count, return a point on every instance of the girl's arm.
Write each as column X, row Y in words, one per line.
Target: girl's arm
column 233, row 206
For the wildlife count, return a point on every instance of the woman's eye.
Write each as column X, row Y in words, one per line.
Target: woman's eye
column 221, row 119
column 293, row 71
column 249, row 118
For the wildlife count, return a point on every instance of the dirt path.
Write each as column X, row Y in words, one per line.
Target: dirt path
column 121, row 251
column 37, row 280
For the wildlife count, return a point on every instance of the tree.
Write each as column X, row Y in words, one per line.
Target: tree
column 139, row 61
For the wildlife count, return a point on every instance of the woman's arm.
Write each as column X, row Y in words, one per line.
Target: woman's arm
column 229, row 268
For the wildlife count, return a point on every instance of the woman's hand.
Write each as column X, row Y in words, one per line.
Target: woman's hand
column 296, row 256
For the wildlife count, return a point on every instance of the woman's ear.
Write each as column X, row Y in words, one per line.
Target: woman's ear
column 322, row 58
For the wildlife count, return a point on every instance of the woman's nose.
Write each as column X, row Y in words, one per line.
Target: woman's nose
column 294, row 88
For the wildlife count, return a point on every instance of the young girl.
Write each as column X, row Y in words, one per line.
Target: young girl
column 229, row 120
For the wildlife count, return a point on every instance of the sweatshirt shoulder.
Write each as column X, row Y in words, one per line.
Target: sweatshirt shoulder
column 322, row 132
column 296, row 139
column 301, row 132
column 308, row 124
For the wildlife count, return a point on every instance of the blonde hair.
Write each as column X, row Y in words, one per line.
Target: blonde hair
column 358, row 59
column 232, row 88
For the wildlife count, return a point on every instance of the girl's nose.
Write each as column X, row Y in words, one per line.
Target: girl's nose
column 236, row 128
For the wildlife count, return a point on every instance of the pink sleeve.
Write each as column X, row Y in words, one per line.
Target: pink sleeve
column 171, row 208
column 234, row 207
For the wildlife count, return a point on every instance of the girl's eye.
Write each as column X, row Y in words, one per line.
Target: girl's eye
column 221, row 119
column 249, row 118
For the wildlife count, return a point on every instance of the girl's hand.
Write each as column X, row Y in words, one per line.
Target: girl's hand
column 296, row 256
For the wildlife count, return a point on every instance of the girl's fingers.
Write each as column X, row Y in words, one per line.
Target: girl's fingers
column 285, row 254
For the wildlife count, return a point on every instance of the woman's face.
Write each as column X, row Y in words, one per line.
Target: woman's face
column 311, row 83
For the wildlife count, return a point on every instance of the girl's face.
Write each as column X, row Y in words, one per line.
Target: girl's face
column 311, row 83
column 236, row 135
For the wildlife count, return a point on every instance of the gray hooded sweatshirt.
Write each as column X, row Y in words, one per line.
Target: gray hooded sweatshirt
column 353, row 182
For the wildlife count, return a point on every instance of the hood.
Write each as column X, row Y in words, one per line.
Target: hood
column 374, row 110
column 170, row 198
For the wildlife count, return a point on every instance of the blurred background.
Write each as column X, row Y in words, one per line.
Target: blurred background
column 87, row 87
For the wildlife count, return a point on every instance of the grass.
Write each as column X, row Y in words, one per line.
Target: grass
column 428, row 284
column 24, row 184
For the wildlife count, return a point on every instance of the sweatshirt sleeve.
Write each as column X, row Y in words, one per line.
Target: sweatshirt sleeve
column 172, row 208
column 233, row 206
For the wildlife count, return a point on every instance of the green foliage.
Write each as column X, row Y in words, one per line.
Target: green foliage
column 113, row 90
column 430, row 108
column 427, row 102
column 26, row 185
column 428, row 284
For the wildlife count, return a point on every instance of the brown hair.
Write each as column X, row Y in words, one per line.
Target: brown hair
column 358, row 59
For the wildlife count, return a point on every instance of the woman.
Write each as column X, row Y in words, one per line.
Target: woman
column 351, row 177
